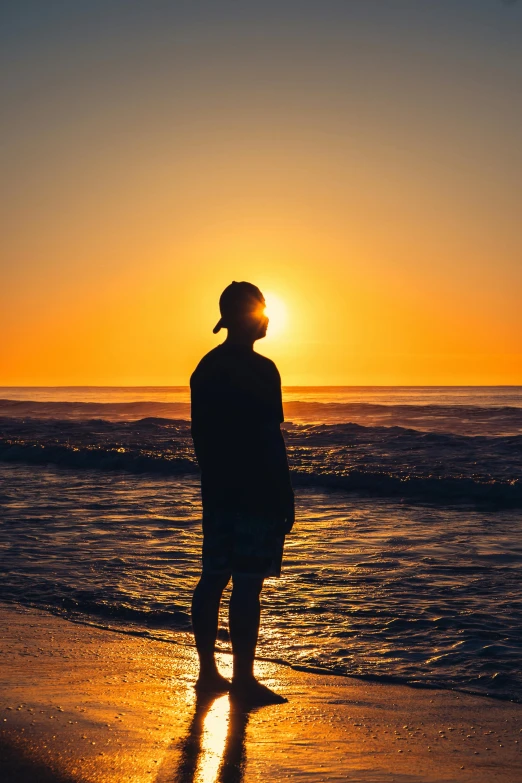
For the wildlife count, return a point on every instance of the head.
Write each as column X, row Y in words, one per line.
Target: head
column 242, row 308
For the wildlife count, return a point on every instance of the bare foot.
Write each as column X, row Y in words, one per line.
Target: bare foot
column 212, row 683
column 253, row 694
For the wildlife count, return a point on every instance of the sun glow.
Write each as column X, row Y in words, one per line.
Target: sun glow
column 277, row 314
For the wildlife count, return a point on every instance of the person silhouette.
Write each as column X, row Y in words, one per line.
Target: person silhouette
column 247, row 496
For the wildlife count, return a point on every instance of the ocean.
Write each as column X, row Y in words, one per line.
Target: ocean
column 404, row 565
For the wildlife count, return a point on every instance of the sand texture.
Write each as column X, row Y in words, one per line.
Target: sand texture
column 78, row 703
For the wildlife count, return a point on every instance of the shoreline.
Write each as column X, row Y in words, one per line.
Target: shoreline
column 312, row 670
column 79, row 704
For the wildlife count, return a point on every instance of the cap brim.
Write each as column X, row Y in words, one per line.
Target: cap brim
column 218, row 326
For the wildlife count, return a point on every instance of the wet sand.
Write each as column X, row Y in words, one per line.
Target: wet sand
column 83, row 704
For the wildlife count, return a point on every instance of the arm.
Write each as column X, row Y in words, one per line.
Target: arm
column 283, row 470
column 287, row 492
column 199, row 425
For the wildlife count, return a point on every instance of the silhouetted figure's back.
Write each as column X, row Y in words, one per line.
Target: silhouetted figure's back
column 236, row 417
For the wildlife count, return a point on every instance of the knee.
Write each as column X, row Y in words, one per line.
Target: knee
column 213, row 583
column 247, row 587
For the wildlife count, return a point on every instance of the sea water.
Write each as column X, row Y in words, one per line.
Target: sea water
column 405, row 562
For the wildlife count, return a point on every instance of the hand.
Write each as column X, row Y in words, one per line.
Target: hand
column 289, row 515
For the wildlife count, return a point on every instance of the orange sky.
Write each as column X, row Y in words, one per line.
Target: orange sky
column 361, row 161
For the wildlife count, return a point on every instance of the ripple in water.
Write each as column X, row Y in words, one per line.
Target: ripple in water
column 374, row 588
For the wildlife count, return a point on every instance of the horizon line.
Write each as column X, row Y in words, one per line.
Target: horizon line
column 284, row 386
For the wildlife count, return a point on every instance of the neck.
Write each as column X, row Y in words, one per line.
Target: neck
column 239, row 338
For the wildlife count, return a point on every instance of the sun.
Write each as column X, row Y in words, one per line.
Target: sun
column 277, row 314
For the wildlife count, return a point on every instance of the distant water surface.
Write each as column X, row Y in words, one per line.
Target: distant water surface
column 495, row 410
column 489, row 396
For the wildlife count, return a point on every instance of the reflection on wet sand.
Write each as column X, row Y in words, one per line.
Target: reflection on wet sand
column 213, row 750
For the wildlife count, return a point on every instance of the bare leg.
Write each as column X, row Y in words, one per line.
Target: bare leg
column 244, row 618
column 245, row 611
column 205, row 615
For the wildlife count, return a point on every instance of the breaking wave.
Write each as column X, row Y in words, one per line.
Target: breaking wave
column 376, row 460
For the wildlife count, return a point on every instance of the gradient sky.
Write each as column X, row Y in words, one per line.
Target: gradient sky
column 359, row 159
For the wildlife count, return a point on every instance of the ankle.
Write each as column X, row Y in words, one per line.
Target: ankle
column 208, row 668
column 243, row 677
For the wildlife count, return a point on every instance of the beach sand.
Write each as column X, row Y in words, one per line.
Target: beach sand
column 79, row 703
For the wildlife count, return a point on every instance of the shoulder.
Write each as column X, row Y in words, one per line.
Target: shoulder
column 267, row 366
column 265, row 362
column 206, row 365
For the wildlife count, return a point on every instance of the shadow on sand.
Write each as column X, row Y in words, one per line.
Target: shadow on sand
column 17, row 766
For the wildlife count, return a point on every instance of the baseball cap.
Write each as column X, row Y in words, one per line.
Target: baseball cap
column 236, row 299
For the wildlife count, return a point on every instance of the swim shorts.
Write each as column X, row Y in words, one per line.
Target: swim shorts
column 236, row 542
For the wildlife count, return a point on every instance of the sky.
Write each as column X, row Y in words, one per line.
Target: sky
column 358, row 160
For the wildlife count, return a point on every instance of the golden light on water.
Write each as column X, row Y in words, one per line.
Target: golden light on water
column 213, row 740
column 277, row 314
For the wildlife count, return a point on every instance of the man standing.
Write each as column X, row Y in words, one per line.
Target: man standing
column 248, row 502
